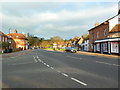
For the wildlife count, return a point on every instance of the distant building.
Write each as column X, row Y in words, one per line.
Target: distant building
column 105, row 37
column 85, row 43
column 3, row 37
column 18, row 40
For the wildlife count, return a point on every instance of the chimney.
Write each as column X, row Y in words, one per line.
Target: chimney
column 15, row 31
column 25, row 35
column 96, row 24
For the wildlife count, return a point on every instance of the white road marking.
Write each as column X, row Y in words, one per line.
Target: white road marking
column 44, row 63
column 59, row 71
column 79, row 81
column 35, row 59
column 51, row 67
column 39, row 60
column 64, row 74
column 48, row 65
column 76, row 80
column 106, row 63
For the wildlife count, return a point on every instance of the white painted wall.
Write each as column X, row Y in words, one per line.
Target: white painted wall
column 113, row 22
column 86, row 45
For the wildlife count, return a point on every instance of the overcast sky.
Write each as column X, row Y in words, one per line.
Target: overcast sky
column 48, row 19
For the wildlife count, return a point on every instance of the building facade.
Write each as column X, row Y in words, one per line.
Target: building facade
column 18, row 40
column 105, row 38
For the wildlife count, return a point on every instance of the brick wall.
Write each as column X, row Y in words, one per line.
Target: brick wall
column 97, row 33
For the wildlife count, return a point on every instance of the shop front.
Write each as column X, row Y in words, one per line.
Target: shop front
column 108, row 46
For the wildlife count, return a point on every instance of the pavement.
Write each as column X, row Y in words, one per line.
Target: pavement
column 98, row 54
column 53, row 69
column 94, row 54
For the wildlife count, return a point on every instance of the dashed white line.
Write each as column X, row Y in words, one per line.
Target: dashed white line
column 59, row 71
column 39, row 60
column 37, row 57
column 64, row 74
column 51, row 67
column 79, row 81
column 106, row 63
column 48, row 65
column 44, row 63
column 35, row 60
column 76, row 80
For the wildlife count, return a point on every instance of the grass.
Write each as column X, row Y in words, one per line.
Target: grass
column 53, row 49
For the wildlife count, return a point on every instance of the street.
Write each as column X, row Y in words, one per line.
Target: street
column 51, row 69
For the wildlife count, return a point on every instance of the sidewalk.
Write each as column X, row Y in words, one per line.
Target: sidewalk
column 14, row 54
column 98, row 54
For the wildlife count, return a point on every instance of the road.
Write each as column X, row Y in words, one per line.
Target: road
column 52, row 69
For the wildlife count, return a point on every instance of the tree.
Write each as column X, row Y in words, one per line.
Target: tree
column 5, row 45
column 31, row 40
column 34, row 41
column 45, row 43
column 56, row 39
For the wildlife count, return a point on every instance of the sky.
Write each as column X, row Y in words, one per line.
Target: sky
column 48, row 19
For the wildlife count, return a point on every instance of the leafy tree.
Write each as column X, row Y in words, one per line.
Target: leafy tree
column 31, row 40
column 45, row 44
column 56, row 39
column 5, row 45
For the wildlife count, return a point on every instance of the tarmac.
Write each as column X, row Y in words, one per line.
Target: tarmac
column 78, row 52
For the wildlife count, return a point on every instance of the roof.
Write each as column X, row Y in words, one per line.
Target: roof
column 3, row 34
column 103, row 22
column 85, row 36
column 17, row 36
column 116, row 28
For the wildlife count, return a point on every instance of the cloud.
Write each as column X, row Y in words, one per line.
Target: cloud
column 48, row 22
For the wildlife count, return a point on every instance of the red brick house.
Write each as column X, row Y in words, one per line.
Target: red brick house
column 18, row 40
column 105, row 37
column 3, row 37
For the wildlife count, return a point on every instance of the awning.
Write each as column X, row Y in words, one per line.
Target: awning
column 106, row 40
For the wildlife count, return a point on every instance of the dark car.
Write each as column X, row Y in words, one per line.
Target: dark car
column 70, row 49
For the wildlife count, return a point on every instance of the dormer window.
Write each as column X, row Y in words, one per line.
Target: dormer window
column 16, row 36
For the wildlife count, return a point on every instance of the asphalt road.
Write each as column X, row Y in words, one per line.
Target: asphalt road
column 49, row 69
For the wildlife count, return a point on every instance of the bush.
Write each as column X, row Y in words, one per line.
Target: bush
column 5, row 45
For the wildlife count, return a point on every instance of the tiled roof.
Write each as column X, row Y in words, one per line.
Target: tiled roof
column 3, row 34
column 17, row 36
column 105, row 22
column 116, row 28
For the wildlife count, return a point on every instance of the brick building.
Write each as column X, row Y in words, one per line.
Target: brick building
column 3, row 37
column 105, row 37
column 18, row 40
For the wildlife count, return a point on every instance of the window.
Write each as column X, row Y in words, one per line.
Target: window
column 92, row 36
column 104, row 32
column 17, row 36
column 97, row 34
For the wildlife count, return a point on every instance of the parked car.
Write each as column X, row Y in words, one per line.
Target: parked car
column 70, row 49
column 7, row 51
